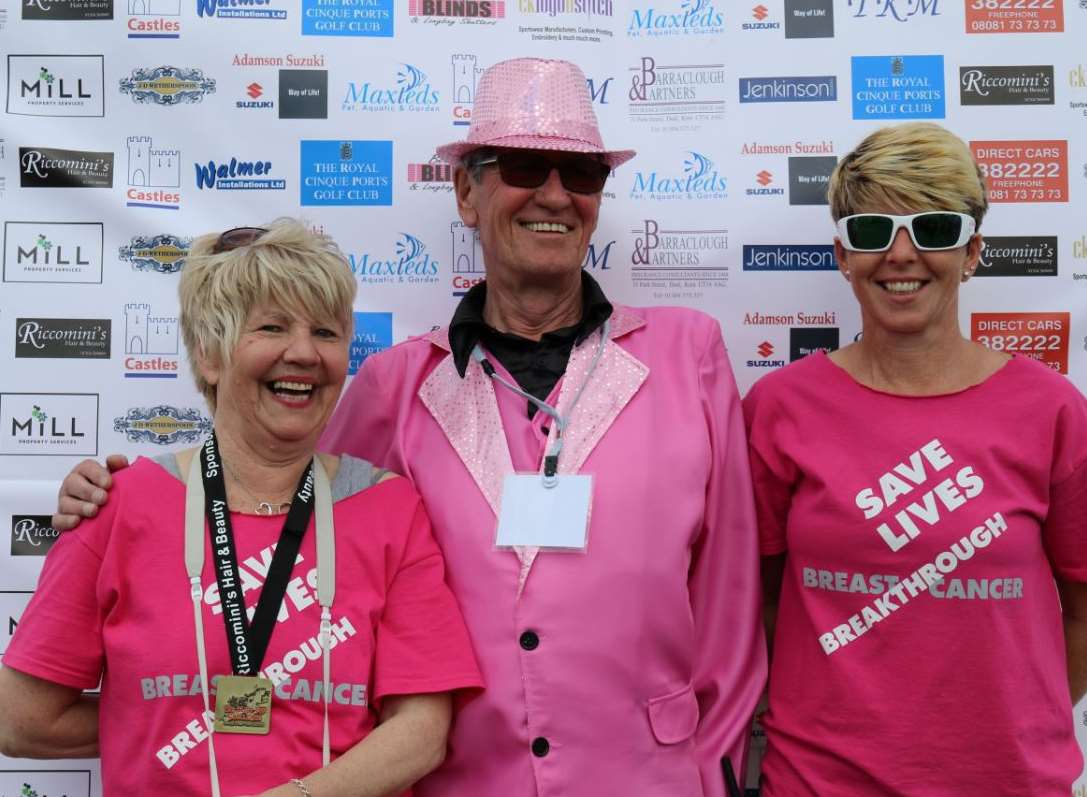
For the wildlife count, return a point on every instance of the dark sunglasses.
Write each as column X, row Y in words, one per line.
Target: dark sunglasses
column 930, row 231
column 581, row 174
column 237, row 237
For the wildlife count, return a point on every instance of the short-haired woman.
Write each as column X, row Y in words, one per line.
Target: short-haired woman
column 262, row 618
column 920, row 505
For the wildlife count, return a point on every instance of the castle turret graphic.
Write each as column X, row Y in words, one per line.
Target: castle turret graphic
column 159, row 8
column 148, row 334
column 465, row 73
column 467, row 257
column 152, row 167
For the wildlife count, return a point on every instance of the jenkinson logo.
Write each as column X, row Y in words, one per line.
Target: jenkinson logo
column 674, row 261
column 56, row 85
column 410, row 264
column 551, row 8
column 699, row 180
column 67, row 338
column 446, row 12
column 167, row 85
column 1018, row 256
column 347, row 18
column 50, row 252
column 70, row 10
column 45, row 167
column 239, row 9
column 816, row 88
column 676, row 18
column 410, row 91
column 434, row 175
column 896, row 10
column 163, row 425
column 373, row 333
column 789, row 257
column 898, row 87
column 467, row 257
column 765, row 179
column 809, row 19
column 346, row 173
column 150, row 170
column 237, row 175
column 150, row 343
column 49, row 424
column 147, row 19
column 163, row 253
column 1006, row 85
column 32, row 535
column 466, row 72
column 676, row 96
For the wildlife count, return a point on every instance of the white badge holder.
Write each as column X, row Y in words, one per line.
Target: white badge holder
column 553, row 517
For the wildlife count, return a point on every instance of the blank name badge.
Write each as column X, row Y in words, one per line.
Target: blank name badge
column 554, row 517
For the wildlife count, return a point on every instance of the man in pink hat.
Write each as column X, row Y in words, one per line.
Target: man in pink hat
column 585, row 469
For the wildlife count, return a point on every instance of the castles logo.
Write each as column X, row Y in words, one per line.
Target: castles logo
column 154, row 175
column 408, row 90
column 53, row 252
column 163, row 425
column 467, row 258
column 49, row 424
column 347, row 18
column 45, row 167
column 32, row 535
column 67, row 338
column 346, row 173
column 464, row 12
column 466, row 71
column 167, row 85
column 163, row 253
column 151, row 350
column 56, row 85
column 373, row 333
column 410, row 264
column 154, row 19
column 676, row 97
column 700, row 180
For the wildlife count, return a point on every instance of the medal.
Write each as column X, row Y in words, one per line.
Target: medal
column 243, row 704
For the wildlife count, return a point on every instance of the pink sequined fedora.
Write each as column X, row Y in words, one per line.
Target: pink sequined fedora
column 533, row 103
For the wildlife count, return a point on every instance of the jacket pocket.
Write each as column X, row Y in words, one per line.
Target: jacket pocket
column 674, row 717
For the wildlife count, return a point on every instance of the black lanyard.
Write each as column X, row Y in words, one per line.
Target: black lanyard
column 248, row 641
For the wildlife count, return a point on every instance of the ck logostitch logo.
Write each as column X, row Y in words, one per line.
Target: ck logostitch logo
column 68, row 10
column 1018, row 256
column 898, row 10
column 346, row 173
column 765, row 179
column 32, row 535
column 411, row 263
column 44, row 167
column 700, row 180
column 1040, row 336
column 447, row 12
column 898, row 87
column 67, row 338
column 49, row 424
column 56, row 85
column 254, row 91
column 808, row 340
column 42, row 251
column 347, row 17
column 373, row 333
column 1014, row 16
column 809, row 19
column 150, row 168
column 760, row 14
column 467, row 257
column 789, row 257
column 676, row 18
column 809, row 178
column 150, row 343
column 239, row 9
column 465, row 73
column 676, row 97
column 1077, row 80
column 163, row 425
column 821, row 88
column 676, row 262
column 765, row 350
column 597, row 258
column 1006, row 85
column 303, row 94
column 551, row 8
column 434, row 175
column 167, row 85
column 148, row 19
column 1024, row 171
column 236, row 175
column 162, row 253
column 410, row 91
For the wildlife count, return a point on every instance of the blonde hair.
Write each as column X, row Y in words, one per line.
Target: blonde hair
column 290, row 266
column 915, row 166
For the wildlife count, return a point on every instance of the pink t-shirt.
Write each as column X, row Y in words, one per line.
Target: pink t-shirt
column 113, row 602
column 919, row 649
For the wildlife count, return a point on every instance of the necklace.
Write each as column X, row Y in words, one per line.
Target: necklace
column 262, row 507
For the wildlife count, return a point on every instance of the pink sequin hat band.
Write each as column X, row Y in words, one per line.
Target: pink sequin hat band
column 533, row 103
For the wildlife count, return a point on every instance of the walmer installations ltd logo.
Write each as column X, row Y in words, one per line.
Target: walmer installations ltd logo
column 167, row 85
column 815, row 88
column 670, row 95
column 448, row 12
column 49, row 424
column 346, row 173
column 1006, row 85
column 410, row 263
column 56, row 85
column 347, row 18
column 46, row 167
column 699, row 180
column 237, row 175
column 898, row 87
column 676, row 18
column 66, row 338
column 163, row 425
column 409, row 90
column 164, row 253
column 52, row 252
column 239, row 9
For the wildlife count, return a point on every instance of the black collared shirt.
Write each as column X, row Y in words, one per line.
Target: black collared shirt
column 537, row 366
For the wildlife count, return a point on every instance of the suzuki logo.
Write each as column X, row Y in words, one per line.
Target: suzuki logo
column 254, row 90
column 760, row 12
column 764, row 178
column 765, row 349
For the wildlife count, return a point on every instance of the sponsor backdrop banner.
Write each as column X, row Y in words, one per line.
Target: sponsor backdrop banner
column 131, row 126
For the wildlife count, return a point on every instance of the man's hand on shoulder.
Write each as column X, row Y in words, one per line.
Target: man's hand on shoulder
column 84, row 490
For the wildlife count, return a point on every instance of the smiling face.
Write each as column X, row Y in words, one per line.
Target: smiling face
column 907, row 291
column 283, row 378
column 528, row 235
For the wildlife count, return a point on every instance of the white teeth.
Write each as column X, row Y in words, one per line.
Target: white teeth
column 546, row 226
column 300, row 386
column 903, row 286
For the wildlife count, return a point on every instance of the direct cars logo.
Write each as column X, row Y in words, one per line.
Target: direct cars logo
column 1040, row 336
column 1024, row 171
column 167, row 85
column 53, row 252
column 56, row 85
column 1014, row 16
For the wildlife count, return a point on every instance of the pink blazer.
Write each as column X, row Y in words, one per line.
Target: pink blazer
column 640, row 661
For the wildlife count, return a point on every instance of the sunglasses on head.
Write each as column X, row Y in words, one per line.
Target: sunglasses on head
column 930, row 231
column 237, row 237
column 582, row 174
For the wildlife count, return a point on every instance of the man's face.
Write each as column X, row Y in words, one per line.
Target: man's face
column 537, row 235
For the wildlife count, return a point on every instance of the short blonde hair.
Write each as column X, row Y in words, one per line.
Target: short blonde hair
column 915, row 166
column 289, row 265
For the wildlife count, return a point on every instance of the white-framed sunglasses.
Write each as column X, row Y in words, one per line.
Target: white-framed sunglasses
column 930, row 231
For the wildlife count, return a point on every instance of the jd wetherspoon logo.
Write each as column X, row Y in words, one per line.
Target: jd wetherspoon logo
column 163, row 425
column 163, row 253
column 167, row 85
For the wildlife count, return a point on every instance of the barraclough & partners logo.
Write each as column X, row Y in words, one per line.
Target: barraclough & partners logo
column 167, row 85
column 676, row 18
column 54, row 252
column 163, row 253
column 699, row 180
column 411, row 263
column 56, row 85
column 410, row 91
column 675, row 261
column 1006, row 85
column 45, row 167
column 676, row 96
column 163, row 425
